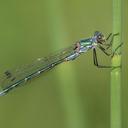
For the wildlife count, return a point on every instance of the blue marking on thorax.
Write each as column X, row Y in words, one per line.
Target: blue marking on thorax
column 85, row 45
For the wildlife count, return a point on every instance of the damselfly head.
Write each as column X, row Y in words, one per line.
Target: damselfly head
column 100, row 38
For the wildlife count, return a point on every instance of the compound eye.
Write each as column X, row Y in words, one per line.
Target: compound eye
column 99, row 37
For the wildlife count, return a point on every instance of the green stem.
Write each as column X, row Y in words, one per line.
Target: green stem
column 116, row 73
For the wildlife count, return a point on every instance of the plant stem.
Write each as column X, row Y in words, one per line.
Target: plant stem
column 116, row 73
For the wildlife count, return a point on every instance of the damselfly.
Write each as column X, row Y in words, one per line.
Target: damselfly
column 14, row 78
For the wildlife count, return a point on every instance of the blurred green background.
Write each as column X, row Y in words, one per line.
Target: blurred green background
column 74, row 94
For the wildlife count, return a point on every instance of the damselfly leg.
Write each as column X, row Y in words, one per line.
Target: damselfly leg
column 111, row 40
column 95, row 60
column 110, row 34
column 116, row 49
column 105, row 51
column 112, row 53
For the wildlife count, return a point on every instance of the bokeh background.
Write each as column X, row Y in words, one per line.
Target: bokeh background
column 74, row 94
